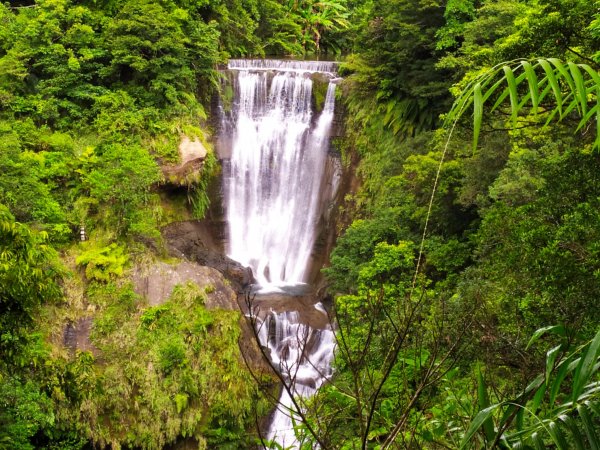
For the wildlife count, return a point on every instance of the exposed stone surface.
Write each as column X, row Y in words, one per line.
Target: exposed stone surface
column 330, row 199
column 193, row 241
column 76, row 336
column 190, row 235
column 157, row 281
column 191, row 150
column 191, row 155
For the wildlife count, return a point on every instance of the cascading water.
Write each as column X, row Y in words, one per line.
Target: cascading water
column 303, row 356
column 276, row 171
column 273, row 184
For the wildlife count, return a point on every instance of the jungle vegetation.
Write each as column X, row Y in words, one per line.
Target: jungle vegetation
column 466, row 275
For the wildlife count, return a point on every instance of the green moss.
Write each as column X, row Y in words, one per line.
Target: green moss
column 102, row 263
column 163, row 372
column 227, row 97
column 319, row 92
column 175, row 206
column 226, row 93
column 165, row 146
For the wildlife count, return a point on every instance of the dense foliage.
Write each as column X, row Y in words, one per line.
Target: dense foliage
column 465, row 281
column 95, row 97
column 434, row 327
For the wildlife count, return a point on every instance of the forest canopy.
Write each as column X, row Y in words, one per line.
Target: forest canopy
column 466, row 274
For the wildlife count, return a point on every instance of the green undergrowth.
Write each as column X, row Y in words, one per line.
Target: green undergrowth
column 156, row 374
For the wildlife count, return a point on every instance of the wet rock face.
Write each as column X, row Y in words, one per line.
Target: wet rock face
column 191, row 240
column 309, row 307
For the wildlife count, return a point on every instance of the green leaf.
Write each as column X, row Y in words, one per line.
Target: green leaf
column 552, row 81
column 585, row 367
column 520, row 419
column 580, row 91
column 500, row 99
column 538, row 442
column 512, row 90
column 557, row 436
column 575, row 432
column 538, row 397
column 490, row 91
column 564, row 368
column 484, row 402
column 551, row 356
column 556, row 329
column 533, row 84
column 597, row 141
column 592, row 73
column 477, row 113
column 477, row 422
column 562, row 70
column 585, row 119
column 589, row 428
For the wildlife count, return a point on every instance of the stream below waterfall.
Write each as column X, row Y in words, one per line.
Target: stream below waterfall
column 273, row 181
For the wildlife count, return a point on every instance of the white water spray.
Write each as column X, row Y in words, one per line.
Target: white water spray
column 273, row 189
column 276, row 169
column 303, row 356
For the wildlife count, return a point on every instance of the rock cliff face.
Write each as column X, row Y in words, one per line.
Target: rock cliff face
column 76, row 336
column 157, row 281
column 193, row 240
column 200, row 260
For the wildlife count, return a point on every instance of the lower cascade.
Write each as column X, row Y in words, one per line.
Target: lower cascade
column 303, row 356
column 273, row 186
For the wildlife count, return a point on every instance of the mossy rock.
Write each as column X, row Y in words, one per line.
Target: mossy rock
column 319, row 91
column 226, row 91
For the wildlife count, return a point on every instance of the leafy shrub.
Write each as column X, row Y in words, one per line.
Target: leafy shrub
column 188, row 294
column 103, row 264
column 26, row 409
column 151, row 316
column 171, row 356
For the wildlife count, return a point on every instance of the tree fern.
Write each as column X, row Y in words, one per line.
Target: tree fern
column 548, row 87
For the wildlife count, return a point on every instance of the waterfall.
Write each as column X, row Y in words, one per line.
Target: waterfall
column 276, row 168
column 327, row 67
column 303, row 356
column 272, row 183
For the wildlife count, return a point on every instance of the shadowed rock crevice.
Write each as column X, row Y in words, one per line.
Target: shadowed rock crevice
column 192, row 240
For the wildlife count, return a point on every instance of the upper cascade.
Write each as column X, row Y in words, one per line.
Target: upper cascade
column 282, row 65
column 273, row 179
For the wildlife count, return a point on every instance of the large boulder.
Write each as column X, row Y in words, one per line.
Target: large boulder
column 192, row 154
column 156, row 282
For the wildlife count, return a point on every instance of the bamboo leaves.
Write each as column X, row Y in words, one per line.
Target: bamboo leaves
column 478, row 112
column 567, row 424
column 547, row 87
column 482, row 417
column 587, row 365
column 29, row 275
